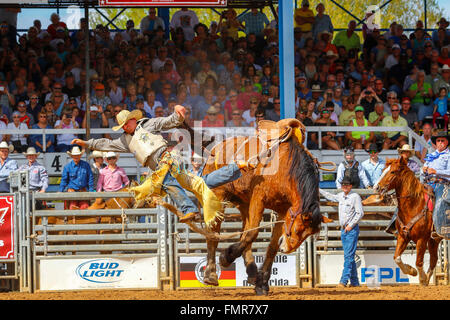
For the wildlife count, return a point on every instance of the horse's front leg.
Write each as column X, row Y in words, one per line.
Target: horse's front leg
column 433, row 245
column 421, row 246
column 234, row 251
column 262, row 280
column 401, row 246
column 210, row 276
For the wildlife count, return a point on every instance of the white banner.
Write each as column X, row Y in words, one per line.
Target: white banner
column 101, row 273
column 372, row 268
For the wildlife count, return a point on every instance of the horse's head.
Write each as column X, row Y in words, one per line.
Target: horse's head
column 298, row 226
column 388, row 179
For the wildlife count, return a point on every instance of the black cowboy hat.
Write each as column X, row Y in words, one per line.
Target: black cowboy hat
column 346, row 180
column 373, row 147
column 442, row 134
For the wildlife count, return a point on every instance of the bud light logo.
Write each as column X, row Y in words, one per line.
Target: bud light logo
column 100, row 271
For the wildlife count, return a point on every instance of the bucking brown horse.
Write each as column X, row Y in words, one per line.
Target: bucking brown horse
column 285, row 180
column 414, row 220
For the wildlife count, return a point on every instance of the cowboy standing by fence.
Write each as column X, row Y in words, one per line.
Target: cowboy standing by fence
column 76, row 177
column 142, row 137
column 7, row 165
column 437, row 167
column 38, row 176
column 350, row 213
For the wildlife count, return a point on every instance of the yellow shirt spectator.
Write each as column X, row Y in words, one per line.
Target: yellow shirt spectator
column 304, row 13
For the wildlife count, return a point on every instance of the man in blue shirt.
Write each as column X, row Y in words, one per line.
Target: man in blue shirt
column 373, row 166
column 255, row 22
column 7, row 165
column 38, row 176
column 437, row 166
column 77, row 176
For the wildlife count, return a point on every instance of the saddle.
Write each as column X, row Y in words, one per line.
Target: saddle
column 270, row 131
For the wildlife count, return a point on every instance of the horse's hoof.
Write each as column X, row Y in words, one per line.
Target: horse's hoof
column 251, row 280
column 224, row 263
column 211, row 281
column 413, row 272
column 261, row 292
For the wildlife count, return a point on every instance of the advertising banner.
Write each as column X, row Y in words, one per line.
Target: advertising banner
column 6, row 227
column 192, row 272
column 372, row 268
column 101, row 273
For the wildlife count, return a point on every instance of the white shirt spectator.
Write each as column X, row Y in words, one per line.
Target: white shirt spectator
column 151, row 110
column 186, row 19
column 17, row 136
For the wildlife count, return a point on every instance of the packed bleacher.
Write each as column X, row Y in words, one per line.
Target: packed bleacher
column 226, row 73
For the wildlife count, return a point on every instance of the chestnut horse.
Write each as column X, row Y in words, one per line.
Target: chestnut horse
column 414, row 221
column 287, row 182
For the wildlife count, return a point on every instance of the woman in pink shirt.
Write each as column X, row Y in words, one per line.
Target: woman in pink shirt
column 112, row 178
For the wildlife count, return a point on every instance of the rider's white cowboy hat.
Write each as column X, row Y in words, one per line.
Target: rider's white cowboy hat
column 4, row 145
column 126, row 115
column 31, row 151
column 75, row 151
column 96, row 154
column 405, row 147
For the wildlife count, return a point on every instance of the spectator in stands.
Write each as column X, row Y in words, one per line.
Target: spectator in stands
column 391, row 100
column 441, row 107
column 24, row 116
column 116, row 94
column 249, row 115
column 254, row 22
column 100, row 98
column 64, row 139
column 18, row 140
column 7, row 165
column 329, row 140
column 322, row 22
column 98, row 120
column 186, row 20
column 34, row 107
column 410, row 116
column 228, row 25
column 360, row 139
column 443, row 81
column 394, row 139
column 374, row 166
column 274, row 114
column 350, row 213
column 352, row 169
column 304, row 19
column 131, row 97
column 150, row 23
column 38, row 176
column 420, row 150
column 199, row 110
column 237, row 120
column 159, row 112
column 211, row 119
column 37, row 140
column 76, row 177
column 348, row 38
column 6, row 99
column 421, row 93
column 367, row 99
column 56, row 23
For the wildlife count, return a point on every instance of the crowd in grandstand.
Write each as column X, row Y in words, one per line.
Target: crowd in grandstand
column 226, row 75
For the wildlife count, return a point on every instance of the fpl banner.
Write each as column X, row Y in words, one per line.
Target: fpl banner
column 6, row 227
column 164, row 3
column 373, row 269
column 192, row 272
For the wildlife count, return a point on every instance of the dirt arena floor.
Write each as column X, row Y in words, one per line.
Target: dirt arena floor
column 411, row 292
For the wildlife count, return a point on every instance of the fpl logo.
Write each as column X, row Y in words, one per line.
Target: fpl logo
column 373, row 17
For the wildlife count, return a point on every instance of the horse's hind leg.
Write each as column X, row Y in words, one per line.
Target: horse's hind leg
column 433, row 245
column 247, row 255
column 401, row 246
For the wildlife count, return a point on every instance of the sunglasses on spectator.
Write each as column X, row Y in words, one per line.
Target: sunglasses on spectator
column 45, row 117
column 110, row 158
column 395, row 110
column 34, row 98
column 236, row 114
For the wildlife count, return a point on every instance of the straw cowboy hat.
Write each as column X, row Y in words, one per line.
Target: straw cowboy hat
column 75, row 151
column 111, row 154
column 96, row 154
column 31, row 151
column 405, row 147
column 4, row 145
column 126, row 115
column 212, row 110
column 316, row 88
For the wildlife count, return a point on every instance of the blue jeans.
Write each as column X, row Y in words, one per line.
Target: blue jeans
column 423, row 110
column 440, row 219
column 349, row 242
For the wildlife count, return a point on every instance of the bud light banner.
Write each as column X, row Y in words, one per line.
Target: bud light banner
column 6, row 227
column 98, row 273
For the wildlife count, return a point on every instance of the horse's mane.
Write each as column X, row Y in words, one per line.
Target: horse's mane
column 305, row 174
column 407, row 177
